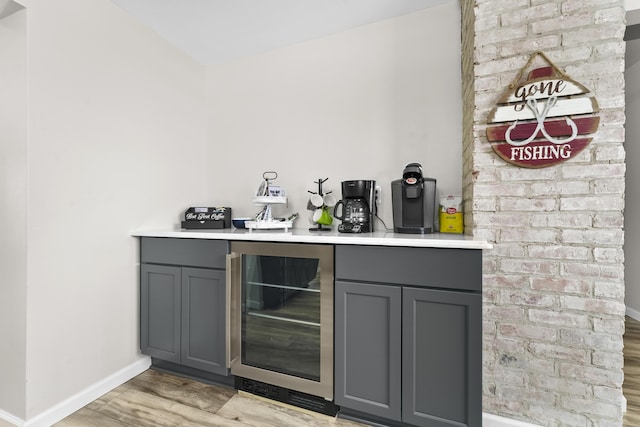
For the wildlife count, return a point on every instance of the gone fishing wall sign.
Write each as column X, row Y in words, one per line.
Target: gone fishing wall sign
column 544, row 120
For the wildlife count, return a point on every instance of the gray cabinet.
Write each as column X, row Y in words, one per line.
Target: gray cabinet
column 408, row 335
column 182, row 302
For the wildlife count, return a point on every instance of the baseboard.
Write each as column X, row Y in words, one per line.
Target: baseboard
column 88, row 395
column 13, row 421
column 634, row 314
column 490, row 420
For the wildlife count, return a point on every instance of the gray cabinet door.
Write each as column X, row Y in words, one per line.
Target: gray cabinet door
column 368, row 348
column 203, row 319
column 160, row 311
column 442, row 358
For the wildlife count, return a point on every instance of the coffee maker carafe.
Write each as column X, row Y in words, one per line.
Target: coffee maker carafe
column 414, row 199
column 357, row 208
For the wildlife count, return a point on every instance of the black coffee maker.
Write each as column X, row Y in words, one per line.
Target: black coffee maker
column 414, row 201
column 357, row 208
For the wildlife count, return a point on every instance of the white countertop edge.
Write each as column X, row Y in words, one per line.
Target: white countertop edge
column 378, row 238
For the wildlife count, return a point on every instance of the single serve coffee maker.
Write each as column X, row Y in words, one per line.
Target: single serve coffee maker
column 357, row 208
column 414, row 201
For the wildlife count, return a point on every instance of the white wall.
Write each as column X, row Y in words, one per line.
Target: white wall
column 631, row 4
column 116, row 132
column 13, row 210
column 632, row 191
column 360, row 104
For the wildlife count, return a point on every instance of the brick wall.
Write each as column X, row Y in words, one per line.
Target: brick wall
column 553, row 285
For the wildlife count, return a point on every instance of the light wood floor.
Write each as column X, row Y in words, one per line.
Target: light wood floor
column 157, row 399
column 631, row 385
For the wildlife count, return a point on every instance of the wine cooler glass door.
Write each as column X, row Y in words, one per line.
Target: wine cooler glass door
column 286, row 316
column 281, row 315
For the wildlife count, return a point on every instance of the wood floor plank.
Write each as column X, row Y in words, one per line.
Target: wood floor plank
column 631, row 385
column 106, row 398
column 86, row 417
column 207, row 397
column 260, row 413
column 147, row 410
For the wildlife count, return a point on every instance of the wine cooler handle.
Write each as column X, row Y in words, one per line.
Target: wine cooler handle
column 232, row 333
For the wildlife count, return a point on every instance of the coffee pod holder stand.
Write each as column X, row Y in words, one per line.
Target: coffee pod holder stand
column 320, row 181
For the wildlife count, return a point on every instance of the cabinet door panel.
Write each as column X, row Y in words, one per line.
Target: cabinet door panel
column 160, row 311
column 368, row 341
column 203, row 319
column 441, row 358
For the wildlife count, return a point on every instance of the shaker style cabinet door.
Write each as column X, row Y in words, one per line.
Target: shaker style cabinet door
column 442, row 358
column 368, row 334
column 203, row 319
column 160, row 311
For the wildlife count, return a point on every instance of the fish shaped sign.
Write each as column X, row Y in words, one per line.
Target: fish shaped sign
column 544, row 120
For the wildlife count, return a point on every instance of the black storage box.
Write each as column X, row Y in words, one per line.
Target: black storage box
column 207, row 218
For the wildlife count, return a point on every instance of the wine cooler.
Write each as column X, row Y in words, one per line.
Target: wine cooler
column 281, row 321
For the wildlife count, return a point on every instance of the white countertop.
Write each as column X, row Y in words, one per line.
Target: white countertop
column 378, row 238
